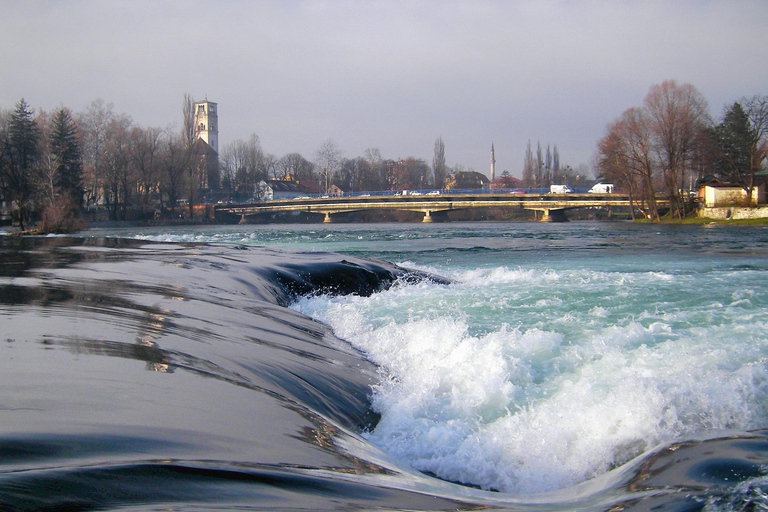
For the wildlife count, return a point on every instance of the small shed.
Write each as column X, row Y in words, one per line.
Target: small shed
column 714, row 194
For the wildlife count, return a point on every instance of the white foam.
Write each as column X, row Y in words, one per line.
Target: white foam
column 528, row 381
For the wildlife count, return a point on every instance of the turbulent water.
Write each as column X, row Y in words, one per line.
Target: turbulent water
column 513, row 366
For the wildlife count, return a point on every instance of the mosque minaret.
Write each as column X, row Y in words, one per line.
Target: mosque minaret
column 493, row 163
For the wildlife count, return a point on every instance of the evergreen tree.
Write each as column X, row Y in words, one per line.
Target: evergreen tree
column 539, row 164
column 529, row 176
column 439, row 168
column 20, row 152
column 735, row 139
column 65, row 148
column 548, row 165
column 24, row 136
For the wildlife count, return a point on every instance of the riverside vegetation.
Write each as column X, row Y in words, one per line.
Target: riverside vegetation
column 57, row 168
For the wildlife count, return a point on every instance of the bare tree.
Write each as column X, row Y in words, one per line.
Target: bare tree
column 677, row 115
column 244, row 164
column 44, row 179
column 376, row 177
column 328, row 159
column 173, row 162
column 116, row 163
column 93, row 125
column 296, row 167
column 625, row 156
column 188, row 124
column 230, row 165
column 146, row 160
column 756, row 108
column 268, row 166
column 373, row 155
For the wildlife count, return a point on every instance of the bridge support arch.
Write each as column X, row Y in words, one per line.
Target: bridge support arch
column 554, row 215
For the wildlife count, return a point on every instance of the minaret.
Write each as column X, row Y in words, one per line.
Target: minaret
column 493, row 164
column 207, row 123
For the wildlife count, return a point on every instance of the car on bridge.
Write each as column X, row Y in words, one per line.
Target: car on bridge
column 601, row 188
column 560, row 189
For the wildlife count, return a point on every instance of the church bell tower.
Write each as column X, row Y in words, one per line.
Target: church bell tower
column 207, row 123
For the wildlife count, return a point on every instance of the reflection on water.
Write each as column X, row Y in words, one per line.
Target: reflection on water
column 143, row 350
column 154, row 329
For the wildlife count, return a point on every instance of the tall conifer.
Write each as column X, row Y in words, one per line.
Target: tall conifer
column 735, row 141
column 20, row 153
column 65, row 147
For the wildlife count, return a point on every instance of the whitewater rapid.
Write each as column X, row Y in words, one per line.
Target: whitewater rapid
column 527, row 381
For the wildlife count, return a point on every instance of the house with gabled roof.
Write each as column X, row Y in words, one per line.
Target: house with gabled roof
column 274, row 190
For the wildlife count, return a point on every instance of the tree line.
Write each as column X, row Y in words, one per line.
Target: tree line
column 544, row 169
column 244, row 164
column 671, row 142
column 54, row 166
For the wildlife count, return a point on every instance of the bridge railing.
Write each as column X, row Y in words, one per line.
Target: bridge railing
column 422, row 192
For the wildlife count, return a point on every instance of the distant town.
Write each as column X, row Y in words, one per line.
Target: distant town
column 59, row 169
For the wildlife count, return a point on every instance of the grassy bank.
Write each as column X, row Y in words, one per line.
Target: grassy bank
column 705, row 221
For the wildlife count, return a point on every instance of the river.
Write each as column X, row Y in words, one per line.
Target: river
column 522, row 366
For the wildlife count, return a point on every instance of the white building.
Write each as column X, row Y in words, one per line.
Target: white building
column 716, row 194
column 273, row 190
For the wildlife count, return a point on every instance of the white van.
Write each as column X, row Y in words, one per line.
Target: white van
column 601, row 188
column 559, row 189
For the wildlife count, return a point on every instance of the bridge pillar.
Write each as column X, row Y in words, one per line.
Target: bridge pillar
column 427, row 216
column 554, row 215
column 243, row 220
column 327, row 219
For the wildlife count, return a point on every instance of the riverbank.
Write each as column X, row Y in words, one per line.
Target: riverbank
column 735, row 216
column 728, row 216
column 735, row 213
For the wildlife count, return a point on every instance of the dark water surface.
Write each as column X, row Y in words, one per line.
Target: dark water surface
column 145, row 375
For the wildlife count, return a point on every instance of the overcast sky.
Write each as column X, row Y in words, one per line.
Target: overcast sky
column 392, row 75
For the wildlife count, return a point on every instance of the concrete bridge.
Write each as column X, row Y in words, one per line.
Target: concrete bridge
column 552, row 206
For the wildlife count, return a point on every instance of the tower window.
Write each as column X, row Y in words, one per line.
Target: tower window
column 201, row 109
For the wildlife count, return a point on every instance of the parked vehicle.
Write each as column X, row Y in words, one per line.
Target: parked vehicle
column 560, row 189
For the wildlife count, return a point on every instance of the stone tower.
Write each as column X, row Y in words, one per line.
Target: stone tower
column 493, row 164
column 207, row 123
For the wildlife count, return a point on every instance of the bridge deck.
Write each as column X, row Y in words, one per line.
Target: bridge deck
column 427, row 204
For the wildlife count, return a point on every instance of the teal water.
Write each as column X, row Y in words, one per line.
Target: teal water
column 558, row 353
